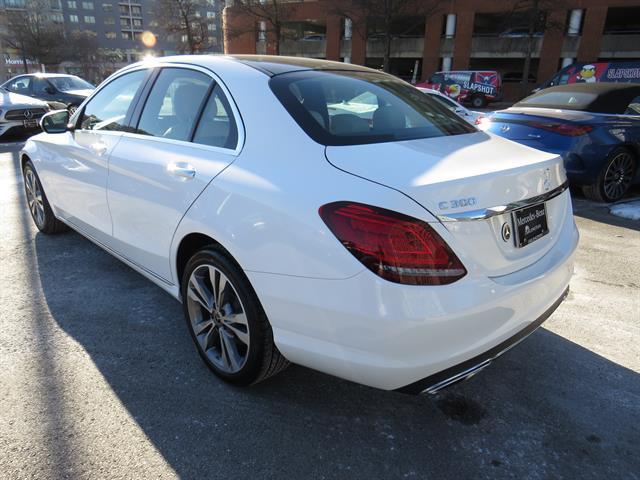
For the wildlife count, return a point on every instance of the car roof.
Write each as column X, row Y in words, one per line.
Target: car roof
column 275, row 65
column 46, row 75
column 270, row 65
column 609, row 97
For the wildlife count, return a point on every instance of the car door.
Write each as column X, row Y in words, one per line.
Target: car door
column 185, row 135
column 77, row 170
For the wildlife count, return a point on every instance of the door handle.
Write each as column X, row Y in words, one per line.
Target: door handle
column 182, row 170
column 98, row 148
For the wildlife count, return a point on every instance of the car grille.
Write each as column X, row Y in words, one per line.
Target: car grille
column 24, row 114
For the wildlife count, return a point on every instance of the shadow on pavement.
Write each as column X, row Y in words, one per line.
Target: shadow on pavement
column 599, row 212
column 547, row 409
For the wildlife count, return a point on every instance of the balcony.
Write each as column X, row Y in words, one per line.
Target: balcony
column 500, row 47
column 620, row 46
column 304, row 48
column 401, row 47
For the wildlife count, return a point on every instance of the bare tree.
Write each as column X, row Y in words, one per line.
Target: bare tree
column 274, row 13
column 184, row 19
column 386, row 15
column 534, row 16
column 84, row 50
column 35, row 33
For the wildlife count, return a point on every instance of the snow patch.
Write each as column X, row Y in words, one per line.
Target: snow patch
column 630, row 210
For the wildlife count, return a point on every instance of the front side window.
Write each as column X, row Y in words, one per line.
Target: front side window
column 217, row 126
column 172, row 107
column 40, row 87
column 634, row 107
column 108, row 109
column 348, row 108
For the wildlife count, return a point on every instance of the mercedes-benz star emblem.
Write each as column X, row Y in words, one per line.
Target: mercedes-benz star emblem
column 506, row 232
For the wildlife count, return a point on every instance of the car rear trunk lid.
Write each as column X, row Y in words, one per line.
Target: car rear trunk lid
column 462, row 176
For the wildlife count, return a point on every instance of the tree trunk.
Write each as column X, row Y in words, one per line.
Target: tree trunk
column 277, row 30
column 387, row 52
column 24, row 60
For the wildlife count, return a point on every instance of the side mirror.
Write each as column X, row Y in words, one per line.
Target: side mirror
column 55, row 122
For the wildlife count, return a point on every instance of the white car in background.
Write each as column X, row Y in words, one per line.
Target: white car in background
column 19, row 113
column 471, row 116
column 396, row 246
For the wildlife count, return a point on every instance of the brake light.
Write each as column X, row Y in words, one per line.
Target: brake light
column 563, row 128
column 397, row 247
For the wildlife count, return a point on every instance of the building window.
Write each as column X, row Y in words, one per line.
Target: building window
column 72, row 4
column 110, row 35
column 127, row 35
column 107, row 7
column 57, row 18
column 136, row 11
column 211, row 14
column 55, row 5
column 89, row 19
column 109, row 21
column 87, row 5
column 124, row 9
column 125, row 22
column 137, row 22
column 74, row 18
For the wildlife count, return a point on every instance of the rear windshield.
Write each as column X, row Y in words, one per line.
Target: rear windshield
column 350, row 108
column 561, row 100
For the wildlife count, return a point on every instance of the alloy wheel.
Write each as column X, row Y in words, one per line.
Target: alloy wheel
column 34, row 197
column 218, row 318
column 618, row 176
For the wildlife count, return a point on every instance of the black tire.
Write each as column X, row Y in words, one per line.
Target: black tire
column 478, row 101
column 262, row 358
column 611, row 185
column 44, row 219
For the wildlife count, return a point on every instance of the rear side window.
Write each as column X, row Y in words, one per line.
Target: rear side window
column 562, row 99
column 217, row 127
column 348, row 108
column 172, row 107
column 108, row 109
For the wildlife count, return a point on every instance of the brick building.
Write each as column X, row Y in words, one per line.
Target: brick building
column 461, row 34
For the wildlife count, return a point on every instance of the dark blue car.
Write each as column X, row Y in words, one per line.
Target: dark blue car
column 594, row 126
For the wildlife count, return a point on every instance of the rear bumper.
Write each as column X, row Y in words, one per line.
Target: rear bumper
column 464, row 370
column 391, row 336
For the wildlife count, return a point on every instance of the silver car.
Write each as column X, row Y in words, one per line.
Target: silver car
column 19, row 113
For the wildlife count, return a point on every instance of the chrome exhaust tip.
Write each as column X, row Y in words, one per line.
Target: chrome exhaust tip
column 460, row 377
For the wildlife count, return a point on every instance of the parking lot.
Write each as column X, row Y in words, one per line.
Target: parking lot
column 100, row 379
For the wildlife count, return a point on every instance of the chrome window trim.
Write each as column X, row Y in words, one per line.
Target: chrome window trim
column 485, row 213
column 234, row 109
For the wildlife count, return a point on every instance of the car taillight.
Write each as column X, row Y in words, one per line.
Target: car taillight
column 563, row 128
column 397, row 247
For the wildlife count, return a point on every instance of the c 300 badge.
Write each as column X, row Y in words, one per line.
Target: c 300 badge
column 458, row 203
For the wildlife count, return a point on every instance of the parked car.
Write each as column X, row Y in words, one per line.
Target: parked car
column 595, row 127
column 19, row 113
column 611, row 72
column 63, row 89
column 478, row 88
column 519, row 32
column 470, row 116
column 397, row 247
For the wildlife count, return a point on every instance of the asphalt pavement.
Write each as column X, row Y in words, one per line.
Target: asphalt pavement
column 99, row 379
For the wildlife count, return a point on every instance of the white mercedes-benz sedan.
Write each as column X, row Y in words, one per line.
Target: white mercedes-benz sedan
column 312, row 212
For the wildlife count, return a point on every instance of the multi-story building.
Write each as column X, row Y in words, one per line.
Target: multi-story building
column 460, row 34
column 117, row 24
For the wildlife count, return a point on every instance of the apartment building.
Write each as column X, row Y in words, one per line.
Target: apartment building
column 461, row 34
column 118, row 25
